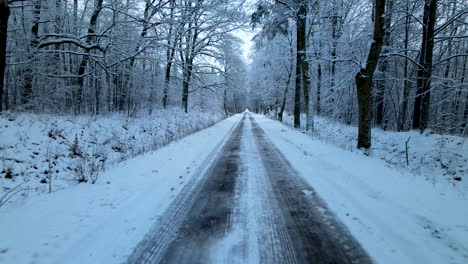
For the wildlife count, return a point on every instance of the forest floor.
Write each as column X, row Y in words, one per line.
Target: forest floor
column 244, row 190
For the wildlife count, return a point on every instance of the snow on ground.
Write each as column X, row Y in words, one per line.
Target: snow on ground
column 437, row 158
column 37, row 148
column 103, row 222
column 398, row 217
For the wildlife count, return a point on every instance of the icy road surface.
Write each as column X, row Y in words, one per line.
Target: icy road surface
column 250, row 206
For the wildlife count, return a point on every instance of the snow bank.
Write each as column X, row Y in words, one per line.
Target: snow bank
column 38, row 149
column 103, row 222
column 437, row 158
column 397, row 217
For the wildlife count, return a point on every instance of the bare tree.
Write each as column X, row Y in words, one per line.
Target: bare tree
column 365, row 75
column 423, row 93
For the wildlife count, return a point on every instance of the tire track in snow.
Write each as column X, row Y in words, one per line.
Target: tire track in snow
column 317, row 236
column 265, row 220
column 154, row 246
column 252, row 208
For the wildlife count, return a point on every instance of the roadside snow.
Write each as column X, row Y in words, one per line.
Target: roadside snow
column 37, row 148
column 397, row 216
column 103, row 222
column 437, row 158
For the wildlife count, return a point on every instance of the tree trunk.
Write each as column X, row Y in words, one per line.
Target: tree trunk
column 27, row 92
column 186, row 84
column 406, row 83
column 365, row 75
column 300, row 44
column 306, row 87
column 319, row 87
column 424, row 72
column 458, row 107
column 464, row 126
column 285, row 95
column 335, row 36
column 4, row 15
column 152, row 94
column 170, row 53
column 305, row 69
column 380, row 99
column 225, row 102
column 167, row 76
column 187, row 66
column 236, row 103
column 75, row 16
column 85, row 59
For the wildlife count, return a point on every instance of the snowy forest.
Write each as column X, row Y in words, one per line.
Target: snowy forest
column 233, row 131
column 419, row 80
column 98, row 57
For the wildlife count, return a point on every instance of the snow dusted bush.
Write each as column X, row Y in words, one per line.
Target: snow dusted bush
column 36, row 149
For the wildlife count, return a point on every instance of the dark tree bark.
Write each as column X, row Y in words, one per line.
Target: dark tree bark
column 406, row 84
column 424, row 72
column 85, row 59
column 75, row 16
column 225, row 102
column 27, row 92
column 319, row 87
column 285, row 94
column 152, row 95
column 187, row 55
column 464, row 118
column 170, row 53
column 236, row 103
column 464, row 126
column 336, row 34
column 306, row 86
column 365, row 75
column 333, row 56
column 380, row 99
column 4, row 15
column 187, row 76
column 305, row 69
column 300, row 49
column 167, row 76
column 188, row 63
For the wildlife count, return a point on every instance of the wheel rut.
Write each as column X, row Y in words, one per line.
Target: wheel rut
column 249, row 206
column 200, row 214
column 317, row 236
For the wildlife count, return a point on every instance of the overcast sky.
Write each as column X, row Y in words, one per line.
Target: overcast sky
column 246, row 36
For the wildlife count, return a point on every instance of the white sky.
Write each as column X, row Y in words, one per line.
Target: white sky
column 246, row 36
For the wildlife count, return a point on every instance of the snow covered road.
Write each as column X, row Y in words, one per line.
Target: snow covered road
column 249, row 207
column 247, row 190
